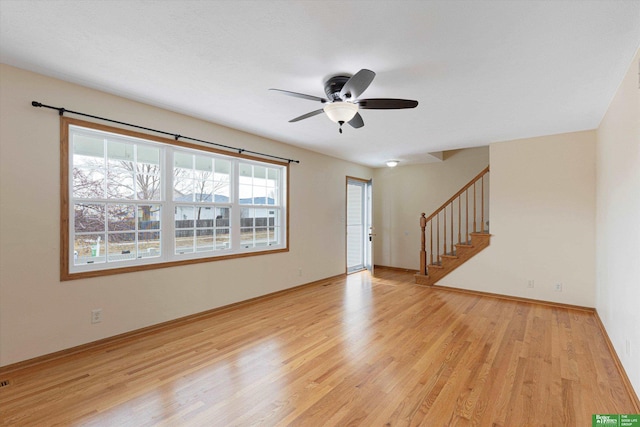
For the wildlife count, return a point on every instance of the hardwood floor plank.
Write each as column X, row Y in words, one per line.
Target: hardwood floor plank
column 348, row 351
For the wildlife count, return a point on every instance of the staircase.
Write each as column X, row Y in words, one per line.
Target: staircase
column 456, row 231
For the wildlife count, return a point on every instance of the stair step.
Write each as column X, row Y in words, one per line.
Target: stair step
column 451, row 260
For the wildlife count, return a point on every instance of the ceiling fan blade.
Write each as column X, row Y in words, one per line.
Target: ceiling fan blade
column 306, row 116
column 357, row 84
column 301, row 95
column 357, row 121
column 386, row 103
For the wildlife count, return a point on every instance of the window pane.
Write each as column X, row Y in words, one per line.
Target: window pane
column 204, row 217
column 222, row 217
column 117, row 150
column 260, row 175
column 246, row 237
column 204, row 164
column 221, row 180
column 183, row 189
column 246, row 217
column 203, row 191
column 273, row 235
column 184, row 216
column 221, row 191
column 222, row 167
column 273, row 183
column 222, row 238
column 183, row 184
column 204, row 240
column 246, row 170
column 148, row 186
column 258, row 227
column 149, row 244
column 148, row 173
column 184, row 241
column 259, row 195
column 88, row 217
column 88, row 249
column 122, row 246
column 183, row 160
column 120, row 182
column 85, row 144
column 273, row 175
column 88, row 180
column 246, row 194
column 149, row 155
column 259, row 185
column 261, row 236
column 148, row 217
column 121, row 217
column 272, row 196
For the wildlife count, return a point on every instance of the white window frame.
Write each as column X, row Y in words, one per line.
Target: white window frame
column 167, row 256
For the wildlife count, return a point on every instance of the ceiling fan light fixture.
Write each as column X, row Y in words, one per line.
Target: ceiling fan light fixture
column 392, row 163
column 341, row 111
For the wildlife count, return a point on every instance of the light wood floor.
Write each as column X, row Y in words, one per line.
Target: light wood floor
column 350, row 351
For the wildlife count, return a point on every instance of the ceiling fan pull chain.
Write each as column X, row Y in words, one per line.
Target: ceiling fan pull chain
column 340, row 128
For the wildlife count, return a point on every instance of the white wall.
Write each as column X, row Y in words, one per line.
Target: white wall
column 542, row 215
column 402, row 193
column 39, row 314
column 618, row 222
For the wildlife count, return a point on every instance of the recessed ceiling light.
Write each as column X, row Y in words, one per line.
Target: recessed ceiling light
column 392, row 163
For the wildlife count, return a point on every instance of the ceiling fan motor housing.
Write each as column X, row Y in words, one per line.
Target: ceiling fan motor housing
column 334, row 85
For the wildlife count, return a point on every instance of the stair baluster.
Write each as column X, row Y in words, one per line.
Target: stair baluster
column 444, row 258
column 444, row 216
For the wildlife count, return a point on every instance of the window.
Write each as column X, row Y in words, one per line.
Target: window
column 132, row 201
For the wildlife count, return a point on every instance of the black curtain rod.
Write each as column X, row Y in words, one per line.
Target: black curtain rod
column 176, row 136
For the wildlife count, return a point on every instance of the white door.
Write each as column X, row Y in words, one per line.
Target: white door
column 359, row 230
column 369, row 227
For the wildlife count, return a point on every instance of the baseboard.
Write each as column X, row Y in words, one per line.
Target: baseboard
column 386, row 267
column 154, row 328
column 512, row 298
column 625, row 379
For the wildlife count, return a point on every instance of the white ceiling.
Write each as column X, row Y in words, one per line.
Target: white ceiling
column 483, row 71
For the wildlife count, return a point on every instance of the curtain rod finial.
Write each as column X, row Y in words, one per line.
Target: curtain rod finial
column 36, row 104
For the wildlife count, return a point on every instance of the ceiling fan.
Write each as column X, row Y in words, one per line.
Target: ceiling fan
column 343, row 104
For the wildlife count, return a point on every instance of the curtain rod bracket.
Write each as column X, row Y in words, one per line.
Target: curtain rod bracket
column 61, row 111
column 177, row 137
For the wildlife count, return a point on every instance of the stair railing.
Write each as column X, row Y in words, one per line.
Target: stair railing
column 431, row 247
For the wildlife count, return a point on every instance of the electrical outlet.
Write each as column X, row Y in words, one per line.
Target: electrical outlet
column 530, row 284
column 96, row 315
column 558, row 287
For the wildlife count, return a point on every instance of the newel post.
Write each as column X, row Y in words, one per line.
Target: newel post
column 423, row 250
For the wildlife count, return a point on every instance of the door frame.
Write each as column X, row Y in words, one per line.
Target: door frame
column 367, row 227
